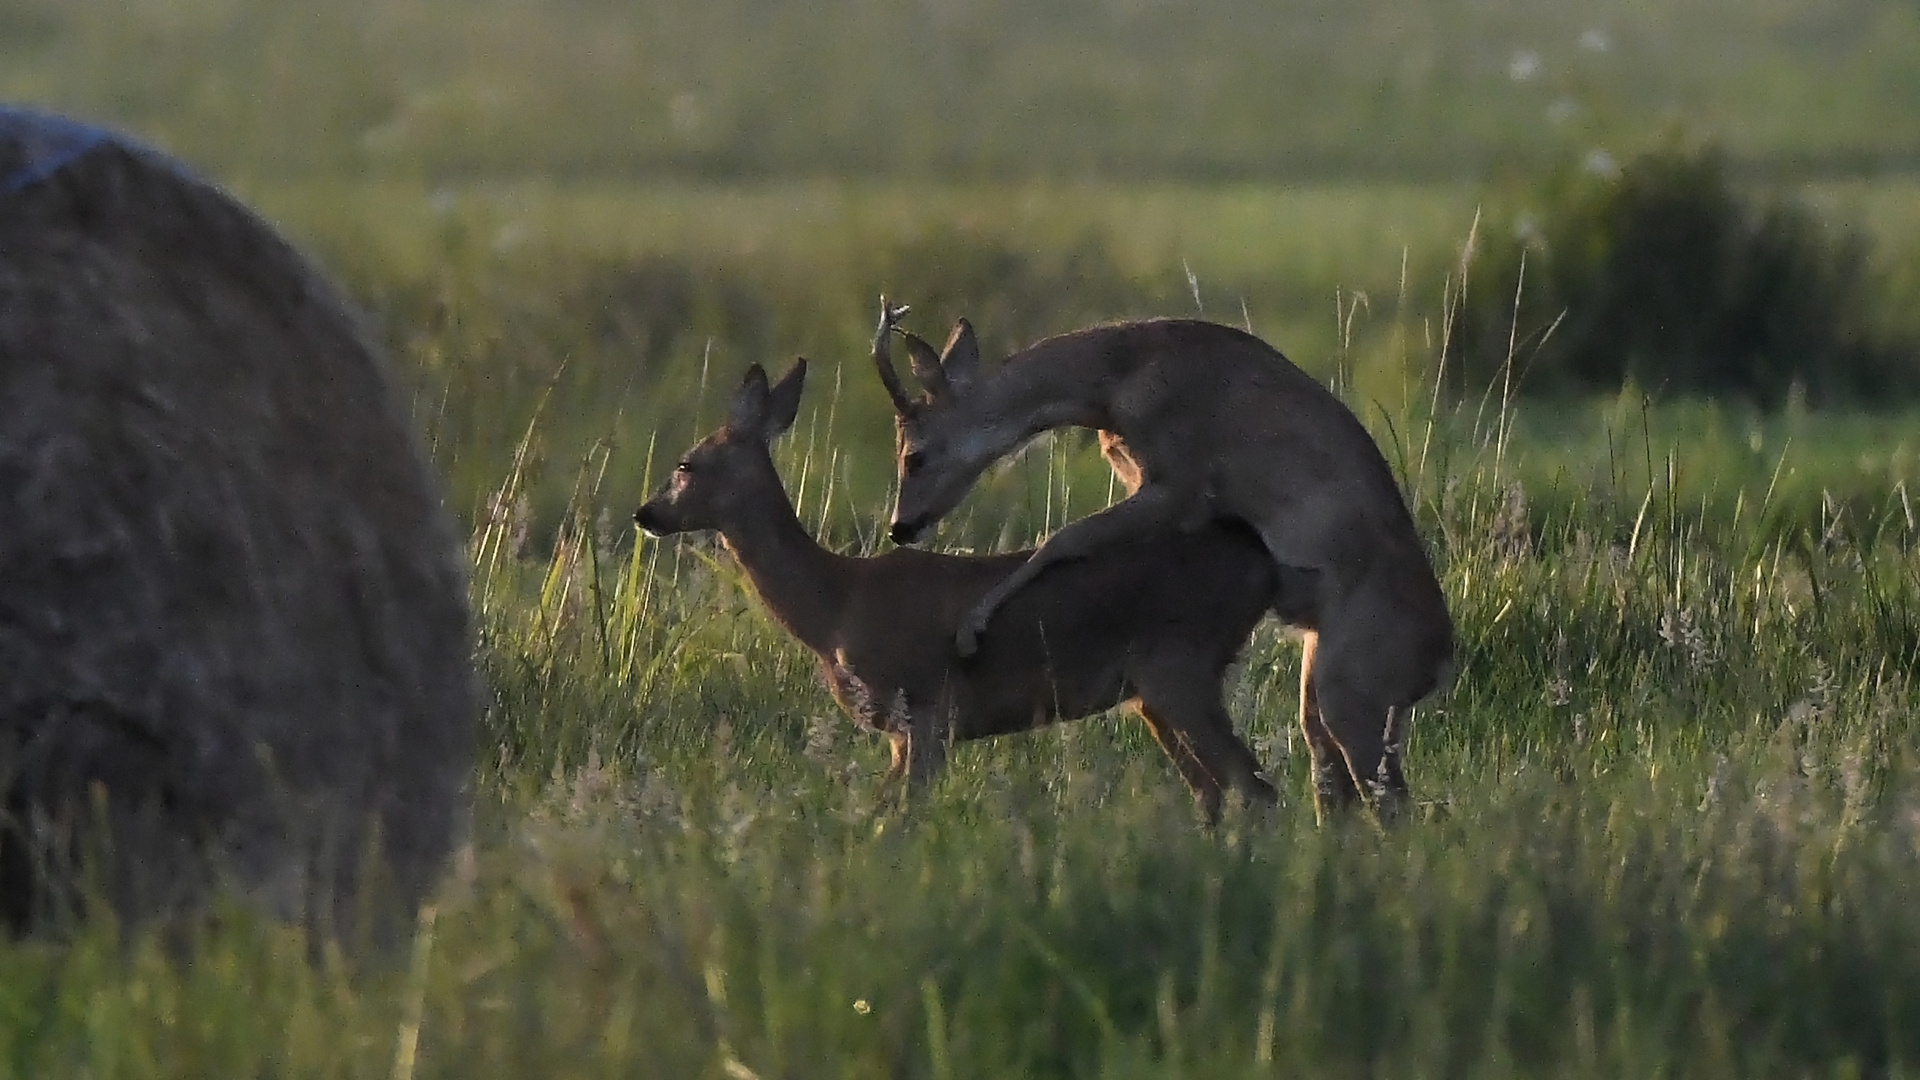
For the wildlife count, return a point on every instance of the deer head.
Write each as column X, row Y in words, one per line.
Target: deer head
column 935, row 470
column 713, row 481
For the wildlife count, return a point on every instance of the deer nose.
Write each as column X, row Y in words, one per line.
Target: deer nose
column 647, row 520
column 904, row 532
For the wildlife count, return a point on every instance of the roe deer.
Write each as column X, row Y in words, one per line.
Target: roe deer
column 1155, row 625
column 1203, row 422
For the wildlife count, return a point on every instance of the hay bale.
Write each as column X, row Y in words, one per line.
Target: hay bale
column 233, row 612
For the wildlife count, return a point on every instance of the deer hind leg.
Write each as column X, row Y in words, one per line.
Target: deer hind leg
column 1197, row 734
column 1399, row 721
column 1364, row 720
column 1333, row 788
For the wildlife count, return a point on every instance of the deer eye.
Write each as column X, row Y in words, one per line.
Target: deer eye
column 683, row 468
column 913, row 461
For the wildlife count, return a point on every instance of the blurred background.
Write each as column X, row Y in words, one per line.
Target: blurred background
column 577, row 218
column 944, row 90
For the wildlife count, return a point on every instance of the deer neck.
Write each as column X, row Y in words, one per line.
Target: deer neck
column 1065, row 389
column 802, row 584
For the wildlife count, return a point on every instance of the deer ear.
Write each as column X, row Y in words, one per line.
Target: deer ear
column 749, row 410
column 926, row 365
column 783, row 401
column 961, row 359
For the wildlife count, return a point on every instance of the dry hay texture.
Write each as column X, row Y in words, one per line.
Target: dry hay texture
column 233, row 613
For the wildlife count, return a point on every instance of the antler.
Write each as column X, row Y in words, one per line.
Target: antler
column 883, row 357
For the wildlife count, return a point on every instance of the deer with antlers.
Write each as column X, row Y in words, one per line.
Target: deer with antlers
column 1155, row 625
column 1204, row 423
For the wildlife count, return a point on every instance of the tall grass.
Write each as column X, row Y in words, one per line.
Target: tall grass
column 1668, row 819
column 1664, row 811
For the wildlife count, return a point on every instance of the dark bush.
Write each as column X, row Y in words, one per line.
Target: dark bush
column 1665, row 273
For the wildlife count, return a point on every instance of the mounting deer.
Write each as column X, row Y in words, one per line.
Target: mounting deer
column 1155, row 625
column 1202, row 423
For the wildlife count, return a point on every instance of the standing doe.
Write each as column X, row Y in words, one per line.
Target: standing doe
column 1204, row 422
column 1155, row 625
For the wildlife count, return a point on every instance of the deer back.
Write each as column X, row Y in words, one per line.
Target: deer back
column 1076, row 641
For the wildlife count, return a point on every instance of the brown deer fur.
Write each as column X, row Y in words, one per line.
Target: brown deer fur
column 1205, row 422
column 1155, row 625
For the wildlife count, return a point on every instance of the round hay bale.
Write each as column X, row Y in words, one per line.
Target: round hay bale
column 234, row 635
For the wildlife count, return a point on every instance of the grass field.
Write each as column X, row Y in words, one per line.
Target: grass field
column 1668, row 824
column 1669, row 815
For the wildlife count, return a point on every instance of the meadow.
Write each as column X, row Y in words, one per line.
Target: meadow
column 1668, row 816
column 1667, row 813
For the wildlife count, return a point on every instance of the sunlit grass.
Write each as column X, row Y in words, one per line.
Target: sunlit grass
column 1668, row 817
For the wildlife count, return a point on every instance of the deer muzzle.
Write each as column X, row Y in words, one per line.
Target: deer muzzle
column 649, row 519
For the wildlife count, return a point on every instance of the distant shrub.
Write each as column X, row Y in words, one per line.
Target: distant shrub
column 1665, row 273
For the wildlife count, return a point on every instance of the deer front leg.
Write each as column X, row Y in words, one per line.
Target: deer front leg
column 1154, row 508
column 1179, row 749
column 918, row 751
column 929, row 733
column 1181, row 705
column 896, row 767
